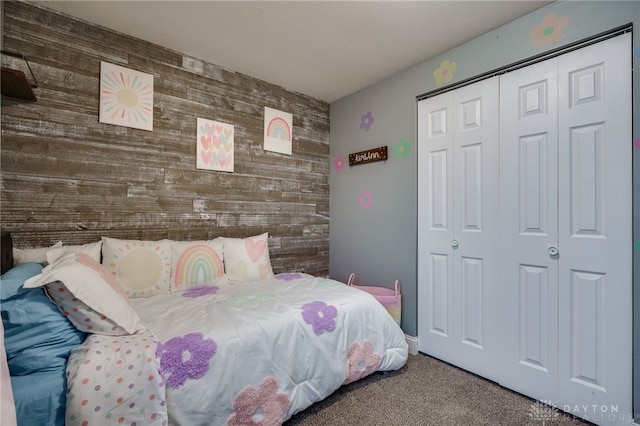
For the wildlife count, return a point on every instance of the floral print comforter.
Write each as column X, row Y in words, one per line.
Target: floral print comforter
column 249, row 353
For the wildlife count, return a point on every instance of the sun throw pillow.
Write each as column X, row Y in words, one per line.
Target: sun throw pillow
column 87, row 296
column 194, row 263
column 247, row 259
column 142, row 268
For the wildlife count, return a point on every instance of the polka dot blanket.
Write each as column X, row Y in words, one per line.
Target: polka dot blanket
column 253, row 352
column 115, row 380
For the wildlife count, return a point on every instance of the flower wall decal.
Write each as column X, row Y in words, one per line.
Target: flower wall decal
column 261, row 406
column 366, row 199
column 339, row 163
column 183, row 358
column 366, row 120
column 320, row 316
column 402, row 149
column 444, row 73
column 549, row 31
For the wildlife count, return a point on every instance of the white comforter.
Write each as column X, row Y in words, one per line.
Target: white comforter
column 249, row 353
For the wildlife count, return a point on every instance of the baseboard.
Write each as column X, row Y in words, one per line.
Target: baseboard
column 412, row 341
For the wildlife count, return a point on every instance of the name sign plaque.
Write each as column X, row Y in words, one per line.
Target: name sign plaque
column 368, row 156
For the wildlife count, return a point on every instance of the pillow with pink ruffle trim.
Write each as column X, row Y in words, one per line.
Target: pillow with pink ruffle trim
column 88, row 296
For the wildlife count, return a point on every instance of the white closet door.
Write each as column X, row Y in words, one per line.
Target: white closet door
column 595, row 241
column 457, row 231
column 435, row 225
column 567, row 255
column 528, row 229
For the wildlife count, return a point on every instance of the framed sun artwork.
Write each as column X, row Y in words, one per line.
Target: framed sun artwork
column 277, row 131
column 126, row 97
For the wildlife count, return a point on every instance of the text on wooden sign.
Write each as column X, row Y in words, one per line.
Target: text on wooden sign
column 368, row 156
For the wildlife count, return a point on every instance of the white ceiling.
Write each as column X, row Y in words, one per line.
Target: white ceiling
column 323, row 49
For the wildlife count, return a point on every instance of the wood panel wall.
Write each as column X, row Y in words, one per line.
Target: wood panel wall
column 66, row 176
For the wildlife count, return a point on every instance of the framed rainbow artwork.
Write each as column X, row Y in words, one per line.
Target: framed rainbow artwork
column 214, row 145
column 126, row 97
column 277, row 131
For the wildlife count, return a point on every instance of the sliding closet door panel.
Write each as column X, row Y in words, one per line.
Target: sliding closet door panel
column 457, row 230
column 476, row 200
column 596, row 243
column 435, row 225
column 529, row 228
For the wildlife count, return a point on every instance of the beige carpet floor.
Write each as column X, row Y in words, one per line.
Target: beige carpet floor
column 425, row 392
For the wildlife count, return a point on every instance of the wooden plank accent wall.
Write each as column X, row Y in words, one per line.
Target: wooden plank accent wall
column 65, row 176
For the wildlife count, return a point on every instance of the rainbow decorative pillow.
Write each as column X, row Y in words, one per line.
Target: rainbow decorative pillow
column 86, row 294
column 142, row 268
column 247, row 259
column 194, row 263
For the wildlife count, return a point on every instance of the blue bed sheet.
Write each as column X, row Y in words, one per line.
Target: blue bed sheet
column 40, row 398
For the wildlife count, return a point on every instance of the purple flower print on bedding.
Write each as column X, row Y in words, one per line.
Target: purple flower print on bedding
column 289, row 276
column 320, row 315
column 183, row 358
column 200, row 291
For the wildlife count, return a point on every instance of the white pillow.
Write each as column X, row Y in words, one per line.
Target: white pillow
column 194, row 263
column 92, row 249
column 38, row 255
column 247, row 259
column 142, row 268
column 87, row 296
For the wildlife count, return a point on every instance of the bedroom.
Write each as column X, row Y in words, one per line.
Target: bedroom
column 147, row 182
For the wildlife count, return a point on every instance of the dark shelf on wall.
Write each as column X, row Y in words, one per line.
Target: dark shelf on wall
column 14, row 82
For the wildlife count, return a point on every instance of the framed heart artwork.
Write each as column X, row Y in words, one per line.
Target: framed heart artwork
column 214, row 145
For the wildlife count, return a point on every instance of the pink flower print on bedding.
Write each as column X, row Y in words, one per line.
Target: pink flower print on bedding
column 183, row 358
column 320, row 316
column 361, row 362
column 261, row 406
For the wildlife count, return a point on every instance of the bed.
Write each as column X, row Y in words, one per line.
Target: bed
column 185, row 333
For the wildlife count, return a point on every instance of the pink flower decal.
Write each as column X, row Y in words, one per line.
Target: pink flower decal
column 362, row 361
column 549, row 31
column 366, row 199
column 338, row 163
column 183, row 358
column 320, row 315
column 366, row 120
column 262, row 406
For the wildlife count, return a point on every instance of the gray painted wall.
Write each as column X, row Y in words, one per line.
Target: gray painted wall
column 378, row 241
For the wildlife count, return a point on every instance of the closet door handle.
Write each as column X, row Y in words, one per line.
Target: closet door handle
column 454, row 243
column 553, row 251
